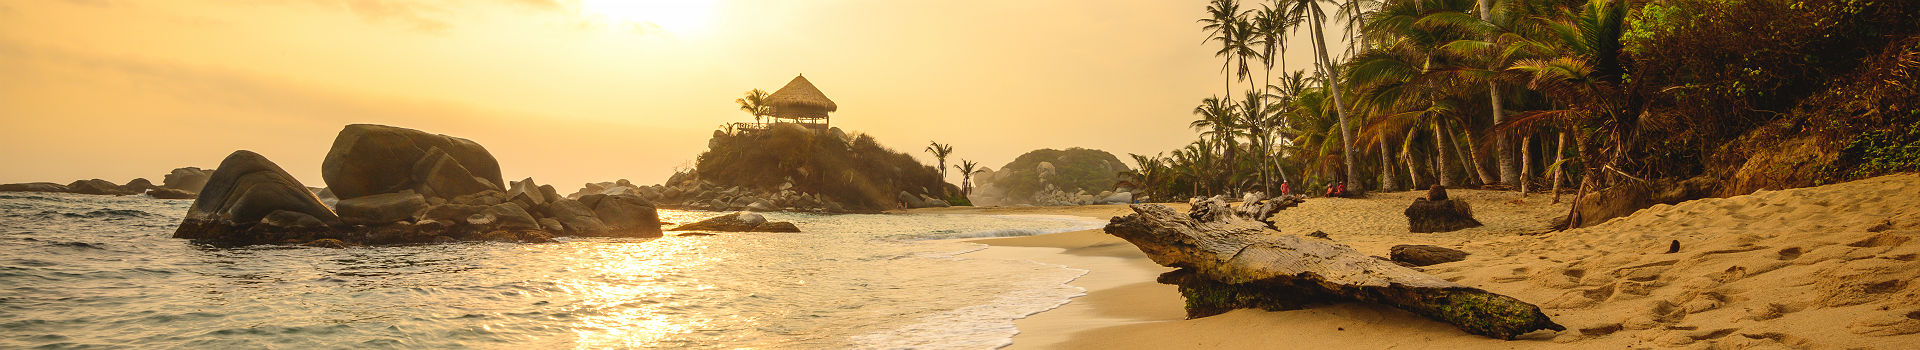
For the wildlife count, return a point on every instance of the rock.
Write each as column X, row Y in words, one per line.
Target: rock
column 552, row 225
column 911, row 201
column 168, row 193
column 576, row 217
column 761, row 206
column 1118, row 198
column 34, row 187
column 137, row 186
column 529, row 189
column 326, row 197
column 511, row 217
column 1423, row 255
column 328, row 243
column 449, row 213
column 548, row 192
column 739, row 221
column 488, row 197
column 371, row 159
column 1439, row 216
column 95, row 186
column 189, row 179
column 381, row 208
column 290, row 220
column 1437, row 193
column 781, row 226
column 244, row 190
column 481, row 219
column 628, row 216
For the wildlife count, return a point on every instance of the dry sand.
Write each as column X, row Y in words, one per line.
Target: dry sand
column 1822, row 267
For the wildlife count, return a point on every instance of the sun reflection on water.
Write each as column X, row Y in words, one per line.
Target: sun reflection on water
column 632, row 294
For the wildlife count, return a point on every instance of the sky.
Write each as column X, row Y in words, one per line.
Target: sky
column 575, row 91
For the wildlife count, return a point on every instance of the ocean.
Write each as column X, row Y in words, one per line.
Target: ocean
column 101, row 271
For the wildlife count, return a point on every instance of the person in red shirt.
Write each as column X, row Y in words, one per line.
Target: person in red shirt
column 1340, row 190
column 1285, row 188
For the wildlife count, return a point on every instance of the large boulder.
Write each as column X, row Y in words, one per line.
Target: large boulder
column 577, row 218
column 511, row 217
column 243, row 192
column 381, row 208
column 1617, row 201
column 95, row 186
column 371, row 159
column 740, row 221
column 34, row 187
column 527, row 188
column 189, row 179
column 137, row 186
column 625, row 215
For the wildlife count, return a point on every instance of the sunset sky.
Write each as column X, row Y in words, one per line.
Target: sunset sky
column 569, row 91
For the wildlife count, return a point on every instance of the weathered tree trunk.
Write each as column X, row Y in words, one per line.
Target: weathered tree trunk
column 1559, row 167
column 1389, row 179
column 1232, row 262
column 1442, row 156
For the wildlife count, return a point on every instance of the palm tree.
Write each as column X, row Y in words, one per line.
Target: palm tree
column 1585, row 77
column 1148, row 176
column 940, row 152
column 1329, row 79
column 1508, row 173
column 967, row 168
column 1218, row 122
column 755, row 103
column 1257, row 118
column 1221, row 22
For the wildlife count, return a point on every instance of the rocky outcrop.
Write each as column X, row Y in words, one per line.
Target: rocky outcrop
column 1423, row 255
column 373, row 159
column 96, row 186
column 34, row 187
column 1051, row 177
column 189, row 179
column 137, row 186
column 739, row 222
column 1439, row 215
column 250, row 200
column 168, row 193
column 400, row 186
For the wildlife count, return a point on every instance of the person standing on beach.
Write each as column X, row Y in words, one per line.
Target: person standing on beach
column 1285, row 189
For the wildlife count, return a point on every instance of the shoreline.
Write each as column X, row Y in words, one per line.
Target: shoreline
column 1796, row 268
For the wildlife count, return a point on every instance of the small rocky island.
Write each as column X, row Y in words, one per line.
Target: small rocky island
column 396, row 185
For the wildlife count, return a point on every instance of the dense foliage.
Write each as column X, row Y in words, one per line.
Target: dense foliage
column 1517, row 94
column 856, row 171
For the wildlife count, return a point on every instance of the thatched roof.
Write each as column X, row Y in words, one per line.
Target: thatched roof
column 800, row 97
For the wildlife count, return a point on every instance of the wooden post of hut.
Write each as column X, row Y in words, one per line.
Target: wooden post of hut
column 801, row 103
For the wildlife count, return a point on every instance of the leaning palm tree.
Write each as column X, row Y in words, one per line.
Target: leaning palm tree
column 940, row 152
column 755, row 103
column 1329, row 79
column 1221, row 24
column 967, row 168
column 1586, row 77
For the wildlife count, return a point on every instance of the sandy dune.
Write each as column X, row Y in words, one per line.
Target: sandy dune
column 1822, row 267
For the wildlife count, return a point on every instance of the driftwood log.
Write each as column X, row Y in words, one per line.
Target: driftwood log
column 1232, row 262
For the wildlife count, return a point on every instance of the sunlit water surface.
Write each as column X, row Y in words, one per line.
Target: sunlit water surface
column 80, row 271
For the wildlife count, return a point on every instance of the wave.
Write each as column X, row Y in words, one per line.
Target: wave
column 107, row 213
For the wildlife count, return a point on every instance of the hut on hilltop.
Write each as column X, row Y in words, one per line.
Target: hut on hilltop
column 800, row 103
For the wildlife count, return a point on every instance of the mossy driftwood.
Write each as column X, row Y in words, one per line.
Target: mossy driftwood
column 1231, row 262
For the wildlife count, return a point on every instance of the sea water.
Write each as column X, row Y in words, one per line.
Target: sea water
column 83, row 271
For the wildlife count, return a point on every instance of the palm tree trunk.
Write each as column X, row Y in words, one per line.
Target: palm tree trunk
column 1559, row 165
column 1416, row 169
column 1442, row 157
column 1526, row 164
column 1473, row 155
column 1389, row 179
column 1330, row 82
column 1460, row 154
column 1508, row 174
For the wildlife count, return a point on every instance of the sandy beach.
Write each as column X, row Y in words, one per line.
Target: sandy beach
column 1821, row 267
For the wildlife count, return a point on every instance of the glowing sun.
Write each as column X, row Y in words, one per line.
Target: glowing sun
column 680, row 17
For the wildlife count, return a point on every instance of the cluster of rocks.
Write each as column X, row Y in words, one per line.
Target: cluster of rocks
column 686, row 191
column 182, row 183
column 393, row 185
column 1054, row 197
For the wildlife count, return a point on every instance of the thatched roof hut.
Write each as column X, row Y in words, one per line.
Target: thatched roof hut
column 801, row 102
